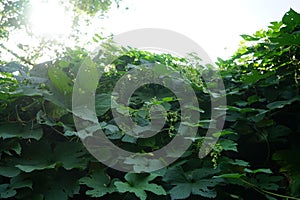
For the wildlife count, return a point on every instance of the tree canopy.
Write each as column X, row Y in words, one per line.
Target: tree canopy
column 16, row 22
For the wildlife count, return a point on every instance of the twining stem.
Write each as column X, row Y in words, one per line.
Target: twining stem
column 267, row 192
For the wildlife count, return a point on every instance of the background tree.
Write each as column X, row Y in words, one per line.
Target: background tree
column 15, row 18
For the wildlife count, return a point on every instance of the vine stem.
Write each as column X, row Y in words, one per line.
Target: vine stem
column 17, row 56
column 267, row 192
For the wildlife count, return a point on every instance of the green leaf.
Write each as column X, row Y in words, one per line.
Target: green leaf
column 228, row 145
column 239, row 163
column 194, row 108
column 102, row 103
column 20, row 182
column 13, row 145
column 162, row 70
column 112, row 131
column 253, row 76
column 242, row 110
column 10, row 145
column 291, row 19
column 148, row 142
column 12, row 67
column 6, row 191
column 33, row 157
column 56, row 184
column 111, row 128
column 9, row 171
column 278, row 133
column 100, row 183
column 142, row 164
column 63, row 64
column 31, row 167
column 60, row 80
column 265, row 123
column 267, row 182
column 9, row 190
column 249, row 38
column 87, row 77
column 129, row 139
column 19, row 131
column 138, row 184
column 42, row 118
column 71, row 155
column 223, row 133
column 168, row 99
column 287, row 39
column 196, row 182
column 281, row 104
column 252, row 99
column 175, row 175
column 267, row 171
column 125, row 187
column 181, row 191
column 28, row 91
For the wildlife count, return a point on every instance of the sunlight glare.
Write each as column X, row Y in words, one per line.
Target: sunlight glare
column 49, row 18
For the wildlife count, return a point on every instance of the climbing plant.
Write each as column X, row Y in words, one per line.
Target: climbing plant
column 256, row 156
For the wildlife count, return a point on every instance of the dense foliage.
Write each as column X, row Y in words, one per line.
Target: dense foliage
column 256, row 156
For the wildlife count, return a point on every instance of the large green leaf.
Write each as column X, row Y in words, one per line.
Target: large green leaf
column 36, row 156
column 18, row 131
column 100, row 183
column 291, row 19
column 138, row 184
column 196, row 182
column 71, row 155
column 60, row 80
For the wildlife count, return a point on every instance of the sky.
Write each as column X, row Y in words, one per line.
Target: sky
column 215, row 25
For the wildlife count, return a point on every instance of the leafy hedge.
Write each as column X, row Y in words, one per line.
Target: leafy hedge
column 256, row 156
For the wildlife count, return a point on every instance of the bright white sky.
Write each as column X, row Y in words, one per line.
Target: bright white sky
column 216, row 25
